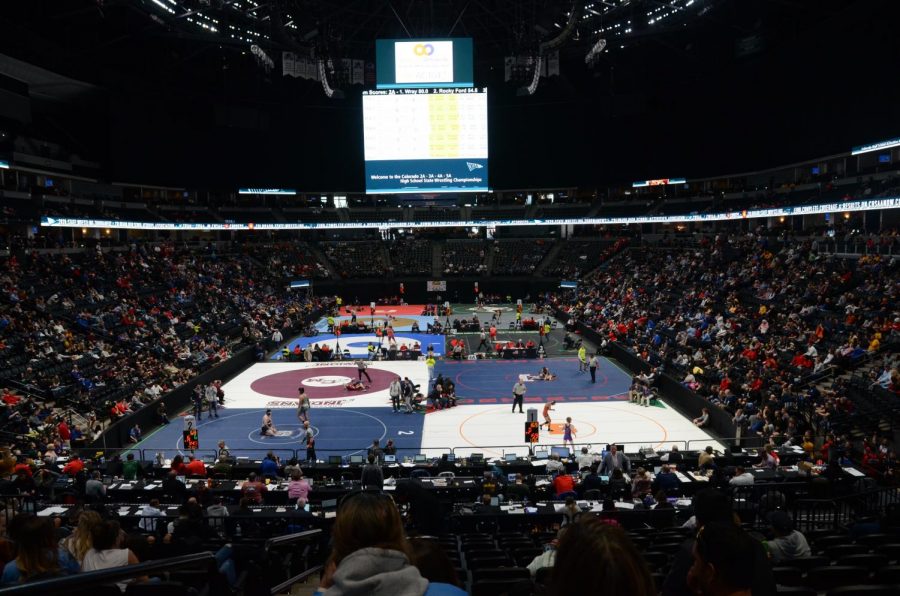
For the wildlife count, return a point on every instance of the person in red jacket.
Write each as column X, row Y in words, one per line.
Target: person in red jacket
column 194, row 467
column 74, row 466
column 563, row 483
column 65, row 434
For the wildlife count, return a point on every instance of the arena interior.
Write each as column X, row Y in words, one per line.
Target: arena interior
column 488, row 297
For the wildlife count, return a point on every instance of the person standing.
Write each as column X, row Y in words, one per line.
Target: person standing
column 394, row 390
column 569, row 433
column 303, row 405
column 430, row 362
column 592, row 366
column 548, row 407
column 310, row 443
column 406, row 390
column 582, row 358
column 361, row 367
column 484, row 341
column 518, row 396
column 212, row 400
column 198, row 402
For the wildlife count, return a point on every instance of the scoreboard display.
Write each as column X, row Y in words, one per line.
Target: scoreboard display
column 425, row 140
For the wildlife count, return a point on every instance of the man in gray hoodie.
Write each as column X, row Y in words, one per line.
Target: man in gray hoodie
column 788, row 544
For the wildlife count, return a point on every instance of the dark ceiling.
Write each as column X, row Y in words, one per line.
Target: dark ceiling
column 709, row 87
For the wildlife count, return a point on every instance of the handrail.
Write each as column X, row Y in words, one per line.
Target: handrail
column 291, row 538
column 296, row 579
column 63, row 585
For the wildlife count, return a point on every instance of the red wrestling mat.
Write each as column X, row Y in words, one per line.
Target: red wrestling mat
column 408, row 309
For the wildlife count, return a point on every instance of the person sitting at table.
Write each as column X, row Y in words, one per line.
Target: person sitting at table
column 618, row 485
column 131, row 469
column 666, row 480
column 563, row 483
column 554, row 466
column 390, row 448
column 173, row 488
column 298, row 487
column 253, row 489
column 268, row 468
column 195, row 467
column 529, row 344
column 769, row 460
column 518, row 490
column 641, row 484
column 216, row 514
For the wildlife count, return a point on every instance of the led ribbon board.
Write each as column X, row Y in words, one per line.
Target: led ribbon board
column 843, row 207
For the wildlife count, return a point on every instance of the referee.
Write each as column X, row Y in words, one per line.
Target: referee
column 518, row 396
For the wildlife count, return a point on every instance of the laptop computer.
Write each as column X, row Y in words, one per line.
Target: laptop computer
column 390, row 459
column 334, row 460
column 356, row 459
column 541, row 454
column 419, row 458
column 511, row 457
column 476, row 458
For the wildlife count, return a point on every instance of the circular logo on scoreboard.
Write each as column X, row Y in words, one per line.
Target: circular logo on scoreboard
column 423, row 49
column 327, row 382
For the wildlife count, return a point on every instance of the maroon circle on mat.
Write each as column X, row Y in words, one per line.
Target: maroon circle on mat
column 329, row 386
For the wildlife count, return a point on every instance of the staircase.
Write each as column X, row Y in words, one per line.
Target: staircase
column 489, row 257
column 321, row 258
column 437, row 259
column 549, row 258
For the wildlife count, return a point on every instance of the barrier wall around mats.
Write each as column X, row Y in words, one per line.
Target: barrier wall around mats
column 686, row 402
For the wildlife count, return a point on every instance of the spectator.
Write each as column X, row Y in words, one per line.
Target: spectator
column 788, row 544
column 94, row 489
column 720, row 555
column 614, row 460
column 269, row 466
column 371, row 475
column 37, row 554
column 79, row 541
column 195, row 467
column 547, row 558
column 432, row 562
column 741, row 477
column 713, row 507
column 595, row 557
column 370, row 554
column 131, row 469
column 107, row 551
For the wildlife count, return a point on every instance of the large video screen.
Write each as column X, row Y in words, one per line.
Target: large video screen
column 409, row 63
column 425, row 140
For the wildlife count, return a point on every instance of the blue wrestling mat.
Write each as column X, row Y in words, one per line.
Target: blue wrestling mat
column 339, row 431
column 491, row 381
column 358, row 343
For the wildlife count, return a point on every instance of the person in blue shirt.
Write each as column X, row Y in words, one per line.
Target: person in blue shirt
column 38, row 554
column 269, row 466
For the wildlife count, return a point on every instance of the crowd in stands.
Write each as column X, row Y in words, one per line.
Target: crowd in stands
column 411, row 256
column 289, row 260
column 105, row 333
column 464, row 257
column 519, row 257
column 356, row 259
column 574, row 258
column 752, row 325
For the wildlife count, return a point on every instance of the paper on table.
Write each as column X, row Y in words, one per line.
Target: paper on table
column 52, row 511
column 624, row 505
column 280, row 510
column 853, row 471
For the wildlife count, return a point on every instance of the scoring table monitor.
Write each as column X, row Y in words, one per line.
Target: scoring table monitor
column 425, row 140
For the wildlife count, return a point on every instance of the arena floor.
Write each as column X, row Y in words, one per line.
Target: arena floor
column 346, row 421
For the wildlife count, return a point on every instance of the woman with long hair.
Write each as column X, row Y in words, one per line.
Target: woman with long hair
column 595, row 557
column 38, row 555
column 79, row 542
column 370, row 554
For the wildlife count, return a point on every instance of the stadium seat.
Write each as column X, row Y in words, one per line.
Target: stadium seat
column 502, row 587
column 865, row 590
column 889, row 574
column 824, row 578
column 788, row 576
column 500, row 573
column 872, row 561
